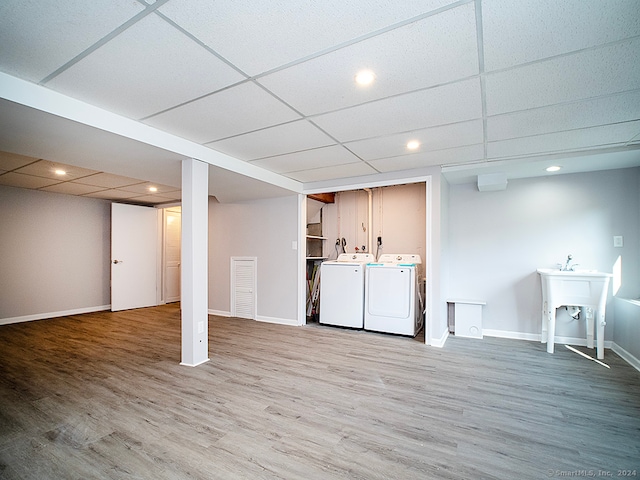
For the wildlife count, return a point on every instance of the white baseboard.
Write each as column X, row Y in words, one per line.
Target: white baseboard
column 626, row 356
column 194, row 364
column 281, row 321
column 439, row 342
column 581, row 342
column 44, row 316
column 533, row 337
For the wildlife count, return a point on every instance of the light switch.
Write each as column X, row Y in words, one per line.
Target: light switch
column 618, row 241
column 294, row 245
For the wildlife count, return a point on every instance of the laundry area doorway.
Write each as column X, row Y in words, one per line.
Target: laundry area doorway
column 373, row 221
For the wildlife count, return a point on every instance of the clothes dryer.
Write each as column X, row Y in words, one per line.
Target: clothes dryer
column 392, row 295
column 342, row 290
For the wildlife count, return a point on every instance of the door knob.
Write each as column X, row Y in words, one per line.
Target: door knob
column 118, row 261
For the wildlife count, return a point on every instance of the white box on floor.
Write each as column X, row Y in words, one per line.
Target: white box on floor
column 466, row 317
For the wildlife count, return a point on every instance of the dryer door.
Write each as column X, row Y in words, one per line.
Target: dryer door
column 389, row 291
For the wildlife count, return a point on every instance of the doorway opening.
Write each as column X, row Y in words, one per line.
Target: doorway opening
column 171, row 246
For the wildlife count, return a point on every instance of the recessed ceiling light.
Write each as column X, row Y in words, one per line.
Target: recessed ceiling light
column 153, row 189
column 60, row 172
column 553, row 168
column 413, row 144
column 365, row 77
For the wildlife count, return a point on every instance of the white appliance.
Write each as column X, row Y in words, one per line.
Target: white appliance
column 342, row 290
column 392, row 295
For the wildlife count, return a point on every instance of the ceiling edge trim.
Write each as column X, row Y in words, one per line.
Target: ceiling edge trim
column 542, row 157
column 375, row 180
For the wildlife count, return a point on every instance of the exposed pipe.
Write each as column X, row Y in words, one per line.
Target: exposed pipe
column 370, row 220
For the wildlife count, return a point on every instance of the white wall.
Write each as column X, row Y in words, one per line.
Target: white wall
column 55, row 254
column 344, row 219
column 264, row 229
column 499, row 239
column 626, row 334
column 398, row 217
column 441, row 258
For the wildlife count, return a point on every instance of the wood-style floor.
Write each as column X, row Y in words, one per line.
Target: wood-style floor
column 103, row 396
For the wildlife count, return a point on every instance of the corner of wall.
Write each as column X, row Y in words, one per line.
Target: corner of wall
column 626, row 356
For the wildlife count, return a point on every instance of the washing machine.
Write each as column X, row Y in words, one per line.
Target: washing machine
column 342, row 290
column 392, row 295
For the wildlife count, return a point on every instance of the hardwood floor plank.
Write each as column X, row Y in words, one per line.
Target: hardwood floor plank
column 102, row 395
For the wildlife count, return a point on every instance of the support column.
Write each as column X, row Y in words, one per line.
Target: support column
column 194, row 295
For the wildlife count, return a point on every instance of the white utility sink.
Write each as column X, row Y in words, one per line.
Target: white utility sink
column 582, row 288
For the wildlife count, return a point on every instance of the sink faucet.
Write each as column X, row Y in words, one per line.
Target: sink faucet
column 568, row 267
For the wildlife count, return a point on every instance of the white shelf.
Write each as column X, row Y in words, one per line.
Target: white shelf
column 317, row 258
column 315, row 237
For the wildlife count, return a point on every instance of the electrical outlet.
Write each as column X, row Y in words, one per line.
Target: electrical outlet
column 618, row 241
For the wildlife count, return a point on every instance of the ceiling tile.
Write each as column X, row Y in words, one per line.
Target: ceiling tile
column 290, row 137
column 127, row 74
column 236, row 110
column 569, row 116
column 609, row 135
column 108, row 180
column 11, row 161
column 469, row 153
column 112, row 194
column 331, row 173
column 39, row 37
column 143, row 188
column 435, row 50
column 524, row 31
column 318, row 157
column 587, row 74
column 451, row 103
column 13, row 179
column 71, row 188
column 257, row 36
column 435, row 138
column 47, row 169
column 156, row 199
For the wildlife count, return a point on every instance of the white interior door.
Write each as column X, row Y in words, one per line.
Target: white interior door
column 134, row 238
column 243, row 287
column 172, row 238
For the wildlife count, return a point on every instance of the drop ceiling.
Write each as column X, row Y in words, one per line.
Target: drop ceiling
column 264, row 91
column 38, row 174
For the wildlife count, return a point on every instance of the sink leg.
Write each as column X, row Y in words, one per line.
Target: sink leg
column 545, row 323
column 600, row 336
column 552, row 330
column 589, row 327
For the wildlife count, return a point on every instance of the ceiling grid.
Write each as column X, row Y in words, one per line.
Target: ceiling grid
column 482, row 85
